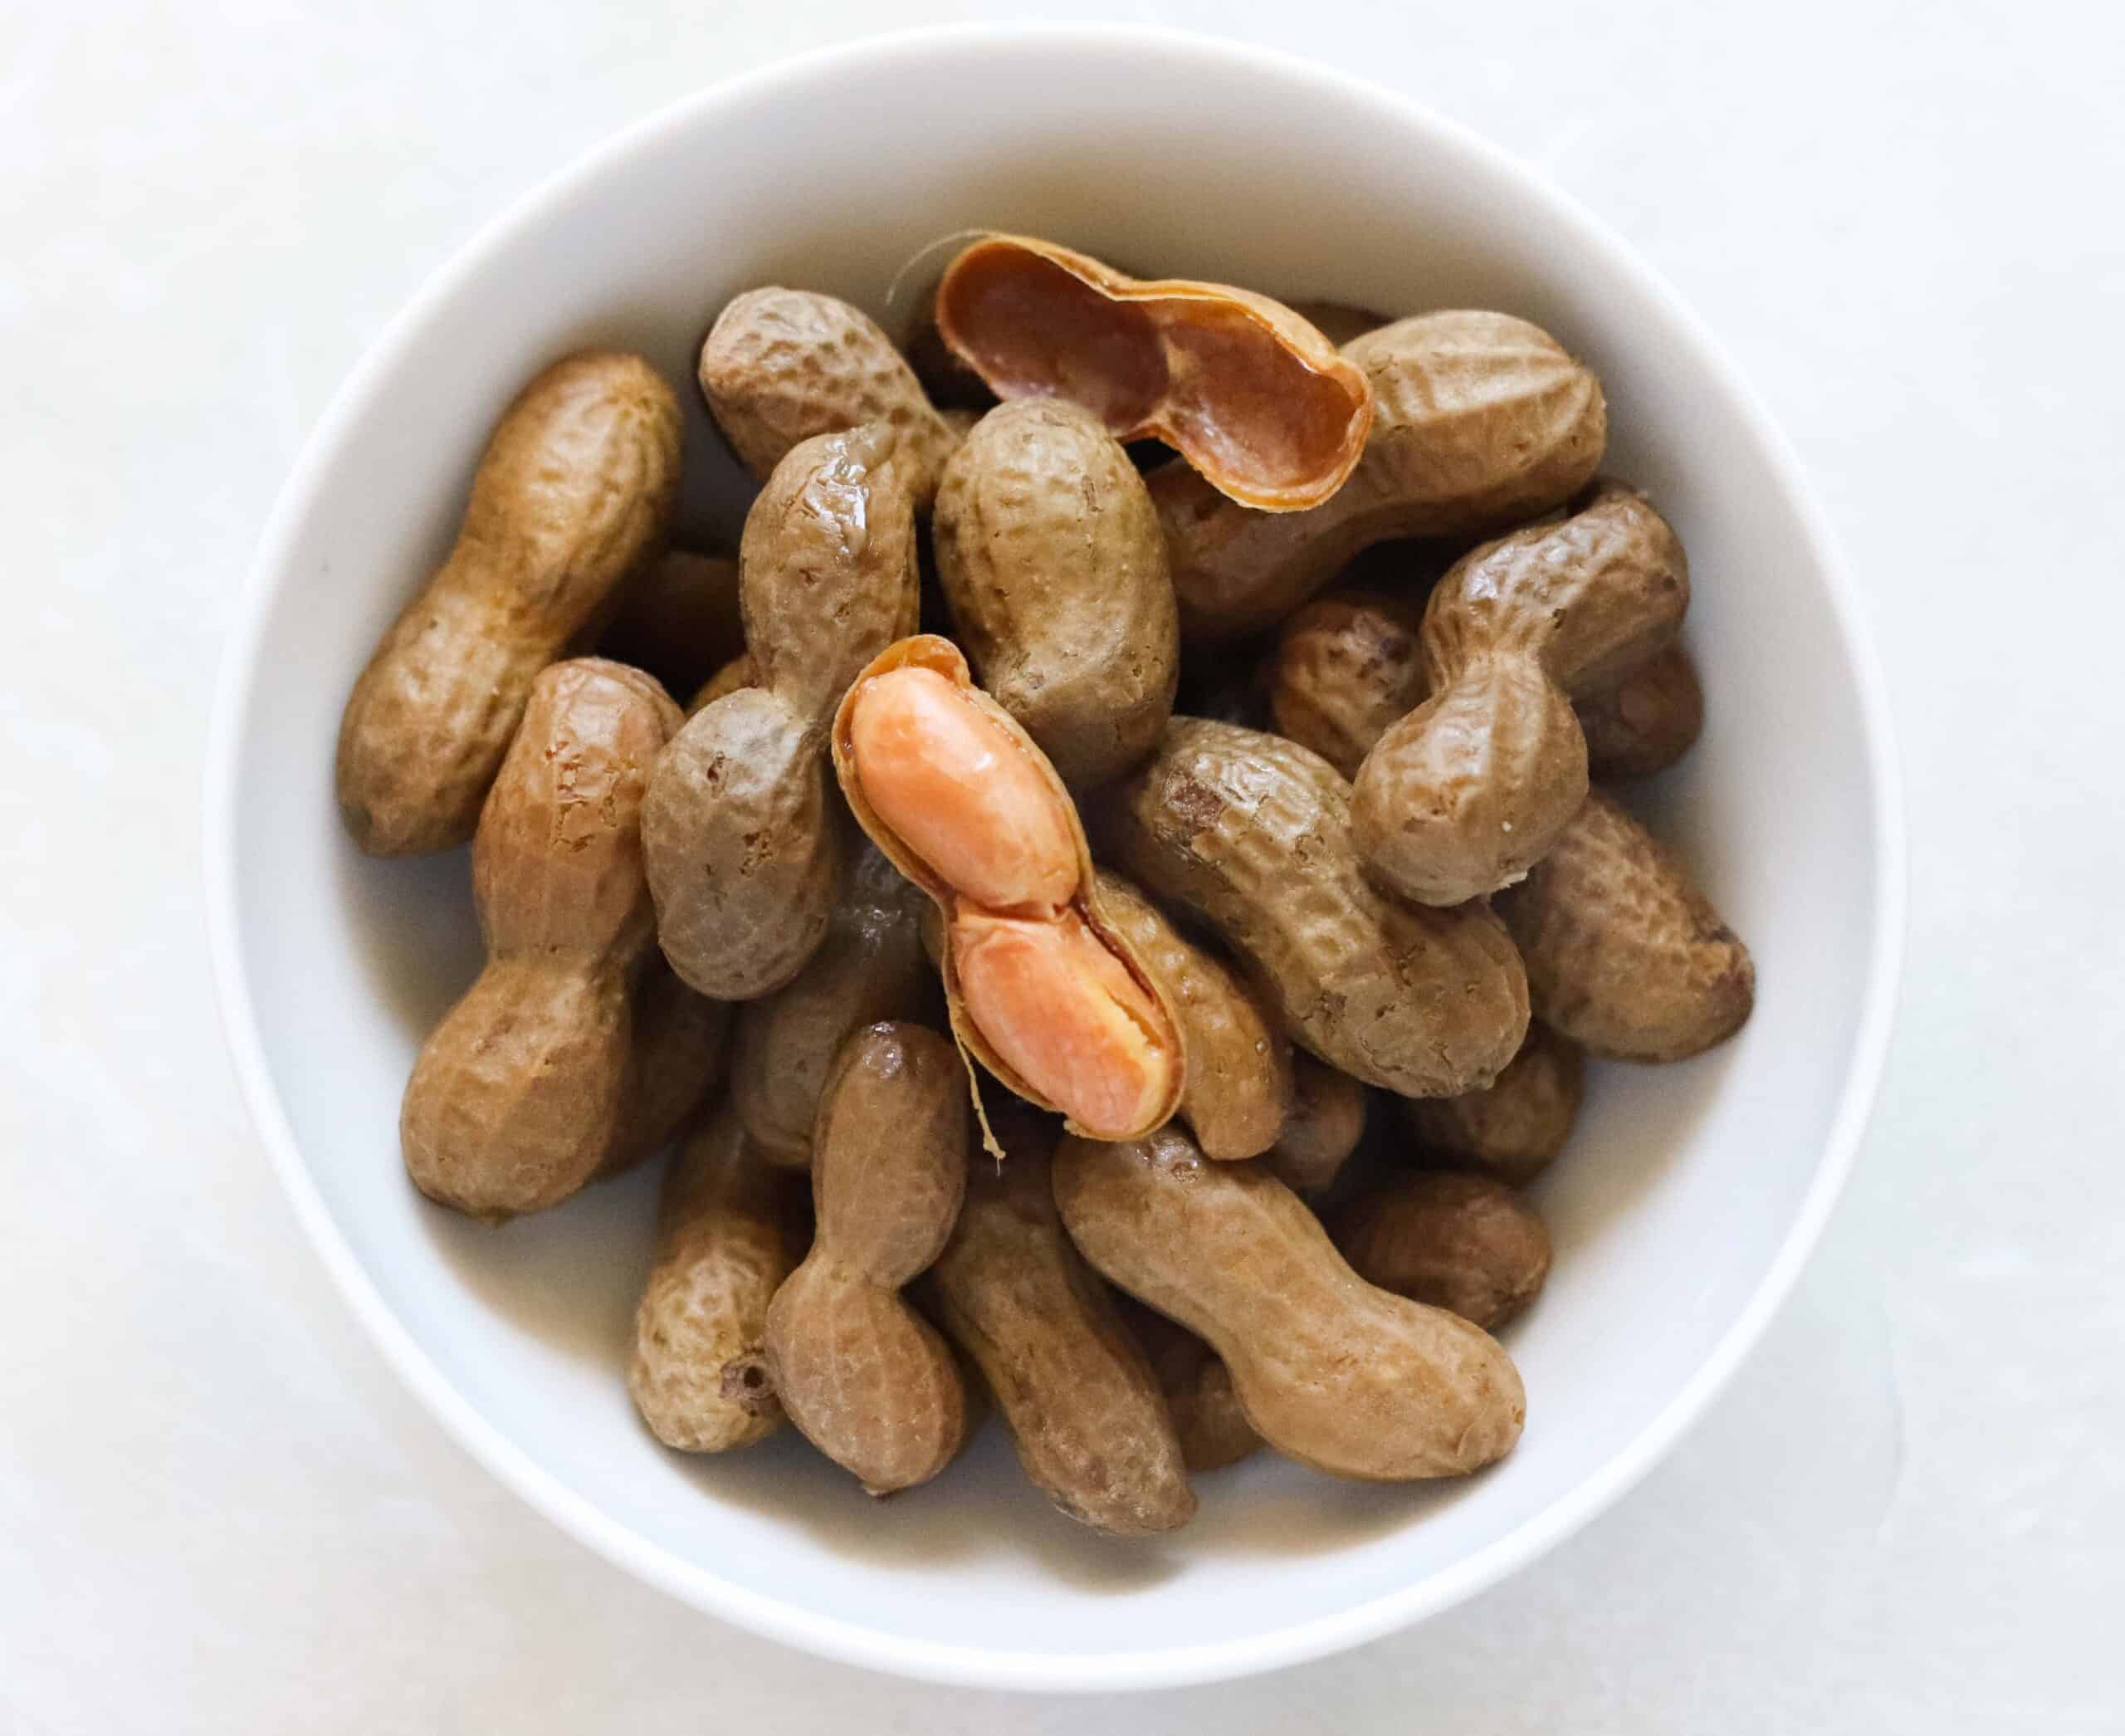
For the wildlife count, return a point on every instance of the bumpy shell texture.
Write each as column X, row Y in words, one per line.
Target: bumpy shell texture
column 1465, row 1243
column 1331, row 1370
column 1253, row 833
column 1086, row 1412
column 782, row 365
column 1054, row 567
column 699, row 1373
column 1482, row 421
column 865, row 1378
column 1646, row 722
column 1347, row 668
column 577, row 485
column 743, row 846
column 1253, row 398
column 1515, row 1128
column 1326, row 1122
column 1624, row 956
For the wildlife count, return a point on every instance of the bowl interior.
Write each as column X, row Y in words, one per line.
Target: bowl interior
column 1690, row 1191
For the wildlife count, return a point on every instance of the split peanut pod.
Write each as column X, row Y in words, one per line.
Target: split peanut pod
column 1043, row 989
column 1466, row 793
column 869, row 968
column 865, row 1378
column 520, row 1095
column 781, row 366
column 1086, row 1413
column 699, row 1375
column 1256, row 401
column 1513, row 1127
column 576, row 486
column 1336, row 1373
column 1482, row 421
column 1252, row 833
column 743, row 843
column 1625, row 956
column 1238, row 1095
column 1466, row 1244
column 1053, row 565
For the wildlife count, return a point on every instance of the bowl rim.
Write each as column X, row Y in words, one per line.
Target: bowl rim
column 849, row 1642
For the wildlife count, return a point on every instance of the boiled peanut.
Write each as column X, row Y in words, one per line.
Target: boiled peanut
column 1483, row 421
column 1471, row 789
column 1253, row 833
column 1466, row 1244
column 519, row 1096
column 781, row 366
column 577, row 483
column 1214, row 1431
column 1625, row 956
column 1325, row 1123
column 675, row 1060
column 1346, row 667
column 870, row 968
column 1349, row 1378
column 677, row 619
column 1646, row 722
column 699, row 1375
column 1053, row 565
column 1256, row 400
column 743, row 850
column 1086, row 1415
column 1512, row 1128
column 867, row 1379
column 1042, row 990
column 1238, row 1093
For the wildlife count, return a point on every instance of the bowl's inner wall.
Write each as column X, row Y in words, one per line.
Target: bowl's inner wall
column 1681, row 1182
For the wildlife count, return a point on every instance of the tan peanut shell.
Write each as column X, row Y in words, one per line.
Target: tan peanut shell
column 576, row 486
column 870, row 968
column 1330, row 1370
column 781, row 366
column 867, row 1379
column 1646, row 722
column 1326, row 1122
column 1213, row 1430
column 940, row 655
column 1466, row 1244
column 1482, row 421
column 1514, row 1128
column 1256, row 400
column 1237, row 1093
column 1053, row 565
column 742, row 842
column 1625, row 956
column 675, row 1060
column 1253, row 833
column 699, row 1373
column 1464, row 794
column 1345, row 668
column 1086, row 1414
column 677, row 617
column 519, row 1096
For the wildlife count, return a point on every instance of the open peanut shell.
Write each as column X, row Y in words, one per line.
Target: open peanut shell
column 940, row 656
column 1253, row 396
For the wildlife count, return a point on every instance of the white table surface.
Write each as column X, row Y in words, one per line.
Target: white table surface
column 219, row 1511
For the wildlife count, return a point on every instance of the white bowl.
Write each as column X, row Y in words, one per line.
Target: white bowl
column 1692, row 1193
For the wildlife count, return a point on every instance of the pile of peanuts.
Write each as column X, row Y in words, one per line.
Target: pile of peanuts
column 1140, row 966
